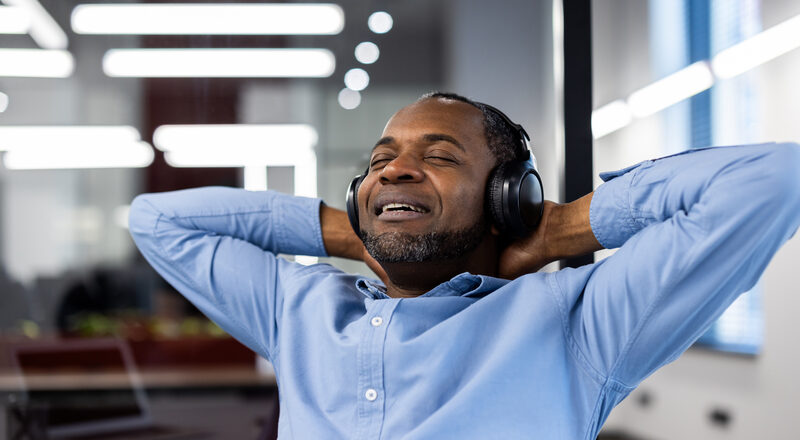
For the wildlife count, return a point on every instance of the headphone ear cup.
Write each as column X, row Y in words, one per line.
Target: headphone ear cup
column 351, row 200
column 494, row 197
column 515, row 198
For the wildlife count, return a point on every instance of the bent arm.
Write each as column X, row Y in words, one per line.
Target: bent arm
column 218, row 247
column 564, row 232
column 695, row 230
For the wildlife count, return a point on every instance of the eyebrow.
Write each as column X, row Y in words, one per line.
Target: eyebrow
column 430, row 137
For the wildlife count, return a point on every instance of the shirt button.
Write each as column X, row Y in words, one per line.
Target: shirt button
column 376, row 321
column 371, row 394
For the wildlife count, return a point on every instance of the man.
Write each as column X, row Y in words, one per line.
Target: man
column 462, row 338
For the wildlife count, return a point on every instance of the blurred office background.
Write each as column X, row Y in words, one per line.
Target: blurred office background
column 98, row 105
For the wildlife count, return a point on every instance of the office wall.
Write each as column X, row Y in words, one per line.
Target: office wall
column 503, row 56
column 758, row 393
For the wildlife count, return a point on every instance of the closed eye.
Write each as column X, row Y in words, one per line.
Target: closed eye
column 378, row 162
column 442, row 159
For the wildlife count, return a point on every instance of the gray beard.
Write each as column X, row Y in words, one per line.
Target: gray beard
column 403, row 247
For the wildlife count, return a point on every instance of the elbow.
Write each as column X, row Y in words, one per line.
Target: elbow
column 785, row 175
column 778, row 183
column 142, row 217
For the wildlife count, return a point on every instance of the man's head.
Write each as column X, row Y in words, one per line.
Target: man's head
column 423, row 196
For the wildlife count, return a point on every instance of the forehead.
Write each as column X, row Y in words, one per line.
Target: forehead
column 455, row 118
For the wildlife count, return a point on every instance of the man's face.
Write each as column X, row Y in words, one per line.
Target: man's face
column 424, row 194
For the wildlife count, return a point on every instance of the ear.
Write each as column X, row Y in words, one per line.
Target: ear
column 495, row 231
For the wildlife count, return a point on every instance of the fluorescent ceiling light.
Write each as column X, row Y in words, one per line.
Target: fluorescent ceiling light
column 14, row 20
column 208, row 19
column 66, row 136
column 233, row 155
column 267, row 137
column 610, row 118
column 219, row 63
column 132, row 155
column 380, row 22
column 249, row 146
column 51, row 147
column 3, row 102
column 43, row 29
column 255, row 178
column 36, row 63
column 665, row 92
column 758, row 49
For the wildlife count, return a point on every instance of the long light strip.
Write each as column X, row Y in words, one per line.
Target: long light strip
column 749, row 54
column 52, row 147
column 272, row 137
column 219, row 63
column 14, row 20
column 43, row 28
column 132, row 155
column 3, row 102
column 233, row 145
column 36, row 63
column 672, row 89
column 208, row 19
column 610, row 118
column 758, row 49
column 66, row 136
column 255, row 178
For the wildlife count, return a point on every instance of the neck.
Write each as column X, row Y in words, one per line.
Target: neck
column 409, row 280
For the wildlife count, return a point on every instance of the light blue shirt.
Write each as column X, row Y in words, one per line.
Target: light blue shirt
column 545, row 356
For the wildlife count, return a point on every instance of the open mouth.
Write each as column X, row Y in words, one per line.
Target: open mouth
column 394, row 209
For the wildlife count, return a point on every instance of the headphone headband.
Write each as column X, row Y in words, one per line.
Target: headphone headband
column 524, row 140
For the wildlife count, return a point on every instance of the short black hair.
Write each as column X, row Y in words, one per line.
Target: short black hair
column 503, row 139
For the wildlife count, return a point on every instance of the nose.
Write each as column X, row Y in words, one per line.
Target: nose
column 402, row 169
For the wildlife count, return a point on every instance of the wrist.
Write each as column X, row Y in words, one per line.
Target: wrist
column 338, row 236
column 568, row 230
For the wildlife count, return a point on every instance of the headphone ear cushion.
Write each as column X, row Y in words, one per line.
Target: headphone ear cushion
column 351, row 200
column 494, row 196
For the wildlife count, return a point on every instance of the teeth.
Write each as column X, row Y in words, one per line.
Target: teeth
column 400, row 206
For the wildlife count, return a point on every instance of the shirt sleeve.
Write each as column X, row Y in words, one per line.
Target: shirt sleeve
column 218, row 247
column 695, row 230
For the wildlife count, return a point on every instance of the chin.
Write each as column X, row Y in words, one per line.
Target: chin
column 403, row 246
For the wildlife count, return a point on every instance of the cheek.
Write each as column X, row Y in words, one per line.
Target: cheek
column 362, row 196
column 467, row 202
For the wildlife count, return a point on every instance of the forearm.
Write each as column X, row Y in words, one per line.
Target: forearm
column 568, row 232
column 271, row 221
column 338, row 236
column 564, row 232
column 716, row 187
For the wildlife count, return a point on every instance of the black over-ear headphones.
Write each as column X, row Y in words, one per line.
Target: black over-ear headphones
column 514, row 194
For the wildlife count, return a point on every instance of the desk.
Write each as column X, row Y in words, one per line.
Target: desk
column 227, row 403
column 184, row 377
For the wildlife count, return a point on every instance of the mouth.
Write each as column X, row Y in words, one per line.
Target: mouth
column 397, row 209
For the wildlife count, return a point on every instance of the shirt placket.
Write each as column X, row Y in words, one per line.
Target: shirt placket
column 371, row 389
